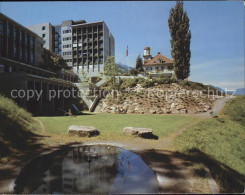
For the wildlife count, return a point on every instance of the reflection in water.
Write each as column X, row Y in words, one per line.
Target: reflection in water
column 88, row 169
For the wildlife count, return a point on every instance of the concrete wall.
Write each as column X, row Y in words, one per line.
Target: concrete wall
column 48, row 39
column 112, row 45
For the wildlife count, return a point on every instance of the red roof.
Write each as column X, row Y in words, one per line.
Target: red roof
column 154, row 60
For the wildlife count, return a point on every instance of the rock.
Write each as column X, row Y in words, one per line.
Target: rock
column 82, row 131
column 141, row 132
column 152, row 111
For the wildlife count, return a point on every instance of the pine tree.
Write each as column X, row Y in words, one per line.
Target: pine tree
column 139, row 64
column 178, row 23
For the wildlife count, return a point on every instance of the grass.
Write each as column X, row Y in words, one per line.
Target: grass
column 111, row 125
column 17, row 129
column 221, row 140
column 235, row 110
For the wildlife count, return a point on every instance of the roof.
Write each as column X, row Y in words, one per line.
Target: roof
column 155, row 60
column 147, row 47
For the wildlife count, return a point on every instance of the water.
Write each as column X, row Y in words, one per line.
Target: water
column 88, row 169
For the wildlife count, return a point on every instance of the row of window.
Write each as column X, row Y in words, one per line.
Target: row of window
column 67, row 53
column 68, row 60
column 89, row 29
column 160, row 68
column 66, row 31
column 20, row 44
column 66, row 38
column 67, row 46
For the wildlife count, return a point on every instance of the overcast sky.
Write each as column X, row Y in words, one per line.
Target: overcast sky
column 217, row 28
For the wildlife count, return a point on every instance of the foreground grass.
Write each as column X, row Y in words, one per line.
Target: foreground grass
column 17, row 130
column 220, row 143
column 111, row 125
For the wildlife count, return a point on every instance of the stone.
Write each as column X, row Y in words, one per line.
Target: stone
column 152, row 111
column 82, row 131
column 141, row 132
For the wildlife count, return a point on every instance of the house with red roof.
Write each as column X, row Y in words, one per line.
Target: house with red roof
column 158, row 65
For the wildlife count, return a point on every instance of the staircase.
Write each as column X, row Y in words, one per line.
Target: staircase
column 90, row 101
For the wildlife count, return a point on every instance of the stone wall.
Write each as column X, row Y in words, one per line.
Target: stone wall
column 165, row 99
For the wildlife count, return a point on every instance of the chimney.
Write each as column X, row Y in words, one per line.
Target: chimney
column 159, row 52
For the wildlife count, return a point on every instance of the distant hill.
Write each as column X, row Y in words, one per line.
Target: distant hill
column 123, row 68
column 239, row 91
column 218, row 88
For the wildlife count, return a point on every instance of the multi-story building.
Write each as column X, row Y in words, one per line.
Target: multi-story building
column 84, row 46
column 23, row 68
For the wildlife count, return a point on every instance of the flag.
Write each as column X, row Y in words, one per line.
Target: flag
column 127, row 51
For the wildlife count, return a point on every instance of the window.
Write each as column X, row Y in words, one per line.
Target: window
column 43, row 35
column 1, row 37
column 44, row 28
column 66, row 31
column 67, row 46
column 66, row 38
column 15, row 42
column 10, row 40
column 21, row 44
column 66, row 53
column 44, row 42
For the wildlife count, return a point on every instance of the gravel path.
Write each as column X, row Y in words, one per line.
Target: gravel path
column 218, row 106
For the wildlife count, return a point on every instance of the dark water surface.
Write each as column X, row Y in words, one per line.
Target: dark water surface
column 88, row 169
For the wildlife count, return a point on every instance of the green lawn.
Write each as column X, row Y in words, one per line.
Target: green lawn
column 111, row 125
column 221, row 144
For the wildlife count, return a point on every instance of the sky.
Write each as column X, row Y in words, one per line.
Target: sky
column 217, row 28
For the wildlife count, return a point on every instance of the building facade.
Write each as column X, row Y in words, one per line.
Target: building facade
column 22, row 68
column 158, row 65
column 44, row 31
column 84, row 46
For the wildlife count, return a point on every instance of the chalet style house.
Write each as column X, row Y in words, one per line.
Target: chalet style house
column 158, row 65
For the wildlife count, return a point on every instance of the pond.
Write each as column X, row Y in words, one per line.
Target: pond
column 87, row 169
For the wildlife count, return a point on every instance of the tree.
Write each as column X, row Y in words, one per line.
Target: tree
column 85, row 80
column 178, row 23
column 139, row 64
column 53, row 61
column 110, row 69
column 133, row 72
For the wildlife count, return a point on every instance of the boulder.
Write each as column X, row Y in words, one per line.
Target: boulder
column 82, row 131
column 141, row 132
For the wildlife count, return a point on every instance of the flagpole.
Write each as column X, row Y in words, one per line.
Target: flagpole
column 127, row 58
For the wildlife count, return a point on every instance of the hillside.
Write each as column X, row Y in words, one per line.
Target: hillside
column 17, row 130
column 157, row 98
column 219, row 143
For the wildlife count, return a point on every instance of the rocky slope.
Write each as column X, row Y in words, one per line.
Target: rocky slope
column 162, row 99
